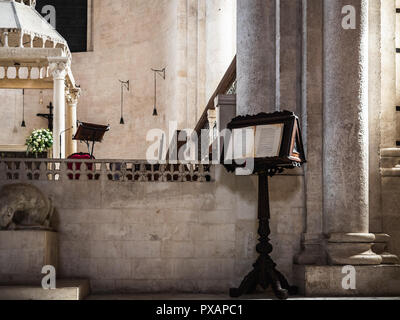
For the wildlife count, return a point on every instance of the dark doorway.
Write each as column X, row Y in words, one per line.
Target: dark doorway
column 70, row 20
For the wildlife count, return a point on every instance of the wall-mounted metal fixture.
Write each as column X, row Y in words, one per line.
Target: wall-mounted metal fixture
column 23, row 124
column 161, row 73
column 124, row 85
column 41, row 100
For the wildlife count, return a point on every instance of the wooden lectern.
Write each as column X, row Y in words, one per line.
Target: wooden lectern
column 90, row 133
column 277, row 146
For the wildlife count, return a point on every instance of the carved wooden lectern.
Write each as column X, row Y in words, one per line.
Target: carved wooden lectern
column 90, row 133
column 277, row 146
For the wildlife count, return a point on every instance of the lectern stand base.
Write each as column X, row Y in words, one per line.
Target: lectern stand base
column 265, row 275
column 264, row 272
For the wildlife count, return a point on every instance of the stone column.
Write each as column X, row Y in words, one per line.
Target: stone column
column 71, row 120
column 312, row 122
column 256, row 56
column 346, row 215
column 58, row 71
column 291, row 55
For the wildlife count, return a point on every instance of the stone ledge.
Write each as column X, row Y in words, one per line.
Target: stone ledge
column 326, row 281
column 66, row 290
column 390, row 152
column 393, row 172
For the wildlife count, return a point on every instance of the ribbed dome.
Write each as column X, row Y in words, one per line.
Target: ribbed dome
column 22, row 17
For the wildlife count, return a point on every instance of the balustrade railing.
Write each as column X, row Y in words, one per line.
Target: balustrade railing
column 102, row 170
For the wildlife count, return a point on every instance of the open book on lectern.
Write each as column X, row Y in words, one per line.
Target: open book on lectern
column 262, row 141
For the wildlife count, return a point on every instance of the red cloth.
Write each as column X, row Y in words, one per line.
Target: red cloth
column 80, row 156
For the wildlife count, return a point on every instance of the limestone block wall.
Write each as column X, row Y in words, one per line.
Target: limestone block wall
column 129, row 38
column 390, row 207
column 195, row 40
column 176, row 236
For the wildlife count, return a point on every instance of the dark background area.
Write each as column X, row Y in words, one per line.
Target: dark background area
column 71, row 21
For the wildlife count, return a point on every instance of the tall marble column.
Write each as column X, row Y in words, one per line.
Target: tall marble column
column 58, row 71
column 71, row 121
column 345, row 155
column 256, row 56
column 312, row 122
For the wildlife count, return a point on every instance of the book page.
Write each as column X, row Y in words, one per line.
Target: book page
column 243, row 143
column 268, row 140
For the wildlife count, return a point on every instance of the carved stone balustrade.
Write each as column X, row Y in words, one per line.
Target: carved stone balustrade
column 20, row 170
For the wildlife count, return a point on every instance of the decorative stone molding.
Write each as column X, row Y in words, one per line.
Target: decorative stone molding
column 381, row 247
column 390, row 162
column 73, row 95
column 23, row 170
column 31, row 3
column 58, row 68
column 351, row 249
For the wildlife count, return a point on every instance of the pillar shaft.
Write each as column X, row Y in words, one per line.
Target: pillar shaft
column 58, row 71
column 346, row 216
column 71, row 145
column 256, row 56
column 71, row 121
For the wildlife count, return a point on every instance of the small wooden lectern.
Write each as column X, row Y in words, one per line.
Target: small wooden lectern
column 90, row 133
column 277, row 146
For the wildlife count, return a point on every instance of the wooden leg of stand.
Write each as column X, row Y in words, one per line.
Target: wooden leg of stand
column 264, row 272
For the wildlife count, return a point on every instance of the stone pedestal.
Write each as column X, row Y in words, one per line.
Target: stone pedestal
column 23, row 254
column 326, row 281
column 67, row 290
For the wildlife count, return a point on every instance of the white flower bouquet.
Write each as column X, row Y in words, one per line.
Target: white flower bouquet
column 39, row 141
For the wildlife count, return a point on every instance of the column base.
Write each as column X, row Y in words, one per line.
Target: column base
column 312, row 252
column 380, row 247
column 351, row 249
column 326, row 281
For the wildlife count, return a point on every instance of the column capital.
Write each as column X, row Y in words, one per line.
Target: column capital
column 72, row 95
column 58, row 68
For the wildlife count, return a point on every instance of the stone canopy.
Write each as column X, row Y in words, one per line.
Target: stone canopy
column 23, row 19
column 33, row 55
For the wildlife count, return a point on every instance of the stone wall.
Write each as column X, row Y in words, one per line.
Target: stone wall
column 189, row 38
column 11, row 107
column 174, row 236
column 390, row 207
column 195, row 40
